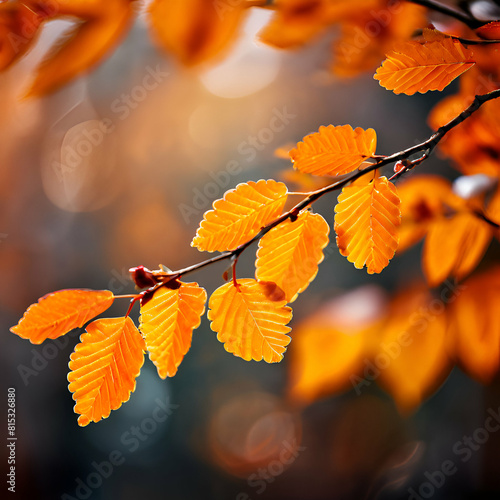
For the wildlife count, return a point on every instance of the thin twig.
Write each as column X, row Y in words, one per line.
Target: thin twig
column 465, row 18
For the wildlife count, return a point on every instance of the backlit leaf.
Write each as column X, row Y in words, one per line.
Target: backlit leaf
column 58, row 313
column 334, row 150
column 104, row 367
column 248, row 323
column 167, row 322
column 366, row 222
column 454, row 246
column 415, row 67
column 289, row 254
column 240, row 215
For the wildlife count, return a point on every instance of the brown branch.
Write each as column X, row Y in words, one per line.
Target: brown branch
column 425, row 148
column 465, row 18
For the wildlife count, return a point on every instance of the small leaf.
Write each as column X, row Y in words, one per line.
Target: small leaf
column 334, row 150
column 104, row 367
column 415, row 67
column 289, row 254
column 240, row 215
column 58, row 313
column 366, row 222
column 167, row 322
column 248, row 323
column 490, row 31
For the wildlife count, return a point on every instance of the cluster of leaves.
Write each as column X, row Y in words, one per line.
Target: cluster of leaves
column 372, row 218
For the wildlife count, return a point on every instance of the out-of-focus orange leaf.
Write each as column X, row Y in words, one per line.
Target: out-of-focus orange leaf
column 99, row 27
column 289, row 254
column 248, row 323
column 414, row 67
column 366, row 38
column 195, row 30
column 167, row 322
column 331, row 346
column 58, row 313
column 104, row 367
column 475, row 326
column 423, row 198
column 366, row 221
column 490, row 31
column 240, row 215
column 454, row 246
column 334, row 150
column 413, row 359
column 493, row 208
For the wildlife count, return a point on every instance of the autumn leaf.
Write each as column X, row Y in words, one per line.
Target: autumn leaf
column 195, row 30
column 248, row 323
column 415, row 67
column 490, row 31
column 240, row 215
column 334, row 150
column 167, row 322
column 289, row 254
column 454, row 246
column 58, row 313
column 104, row 367
column 366, row 221
column 475, row 326
column 412, row 357
column 98, row 27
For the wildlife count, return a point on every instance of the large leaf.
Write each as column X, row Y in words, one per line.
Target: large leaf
column 240, row 215
column 104, row 367
column 366, row 221
column 250, row 325
column 167, row 322
column 58, row 313
column 289, row 254
column 195, row 30
column 454, row 246
column 334, row 150
column 415, row 67
column 99, row 27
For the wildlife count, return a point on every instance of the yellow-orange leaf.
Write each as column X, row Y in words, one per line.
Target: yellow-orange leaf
column 454, row 246
column 248, row 323
column 366, row 222
column 99, row 27
column 412, row 360
column 415, row 67
column 167, row 322
column 334, row 150
column 475, row 326
column 58, row 313
column 195, row 30
column 289, row 254
column 240, row 215
column 104, row 367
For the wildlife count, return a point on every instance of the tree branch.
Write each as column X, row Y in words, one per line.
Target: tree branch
column 425, row 148
column 465, row 18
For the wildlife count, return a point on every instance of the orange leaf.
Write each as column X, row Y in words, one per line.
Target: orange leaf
column 248, row 323
column 58, row 313
column 476, row 326
column 454, row 246
column 490, row 31
column 415, row 67
column 334, row 150
column 195, row 30
column 240, row 215
column 412, row 357
column 100, row 26
column 289, row 254
column 104, row 367
column 366, row 222
column 167, row 322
